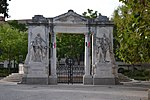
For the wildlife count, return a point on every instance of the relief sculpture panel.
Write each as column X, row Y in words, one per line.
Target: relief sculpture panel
column 103, row 48
column 38, row 49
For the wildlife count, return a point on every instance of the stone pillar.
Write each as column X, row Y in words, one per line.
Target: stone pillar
column 36, row 63
column 93, row 50
column 104, row 61
column 87, row 78
column 53, row 76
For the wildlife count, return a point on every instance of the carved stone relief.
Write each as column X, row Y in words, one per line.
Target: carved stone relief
column 70, row 18
column 38, row 48
column 102, row 48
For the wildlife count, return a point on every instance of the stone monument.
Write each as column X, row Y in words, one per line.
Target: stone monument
column 37, row 61
column 104, row 72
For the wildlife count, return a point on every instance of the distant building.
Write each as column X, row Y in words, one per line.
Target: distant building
column 5, row 64
column 23, row 21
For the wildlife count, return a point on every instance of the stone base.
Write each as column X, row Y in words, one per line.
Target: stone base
column 35, row 80
column 104, row 81
column 87, row 80
column 52, row 80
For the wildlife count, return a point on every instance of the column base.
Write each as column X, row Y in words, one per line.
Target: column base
column 87, row 80
column 105, row 81
column 52, row 80
column 34, row 80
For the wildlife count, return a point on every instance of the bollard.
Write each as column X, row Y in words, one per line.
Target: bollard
column 21, row 71
column 148, row 94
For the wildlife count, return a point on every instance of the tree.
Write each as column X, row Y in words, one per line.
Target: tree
column 13, row 43
column 16, row 25
column 21, row 28
column 70, row 45
column 4, row 8
column 133, row 31
column 90, row 14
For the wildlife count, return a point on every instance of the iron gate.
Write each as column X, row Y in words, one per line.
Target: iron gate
column 70, row 73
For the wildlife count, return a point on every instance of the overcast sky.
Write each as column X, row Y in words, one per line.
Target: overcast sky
column 26, row 9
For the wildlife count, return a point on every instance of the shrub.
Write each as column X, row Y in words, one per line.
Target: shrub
column 6, row 71
column 147, row 72
column 141, row 78
column 142, row 75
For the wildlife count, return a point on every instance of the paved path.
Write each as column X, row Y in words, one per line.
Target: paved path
column 12, row 91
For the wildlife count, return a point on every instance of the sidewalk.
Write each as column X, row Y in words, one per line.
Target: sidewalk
column 13, row 91
column 137, row 83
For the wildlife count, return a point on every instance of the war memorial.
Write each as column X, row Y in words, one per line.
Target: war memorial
column 42, row 48
column 98, row 75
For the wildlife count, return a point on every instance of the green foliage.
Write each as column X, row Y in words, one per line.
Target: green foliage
column 133, row 31
column 138, row 74
column 16, row 25
column 6, row 71
column 141, row 78
column 90, row 13
column 70, row 45
column 4, row 7
column 13, row 43
column 147, row 72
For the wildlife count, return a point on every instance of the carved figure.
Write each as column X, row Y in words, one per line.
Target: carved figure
column 39, row 50
column 102, row 48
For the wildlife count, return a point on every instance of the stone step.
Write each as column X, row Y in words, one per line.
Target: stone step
column 14, row 77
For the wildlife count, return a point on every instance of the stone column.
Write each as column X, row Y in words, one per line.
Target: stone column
column 53, row 76
column 87, row 78
column 36, row 63
column 104, row 61
column 93, row 50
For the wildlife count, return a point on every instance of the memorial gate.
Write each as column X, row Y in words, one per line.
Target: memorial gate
column 100, row 70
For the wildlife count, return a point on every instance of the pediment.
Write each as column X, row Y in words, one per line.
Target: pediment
column 70, row 17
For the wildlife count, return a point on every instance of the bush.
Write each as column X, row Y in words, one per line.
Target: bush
column 141, row 78
column 5, row 71
column 147, row 72
column 142, row 75
column 138, row 73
